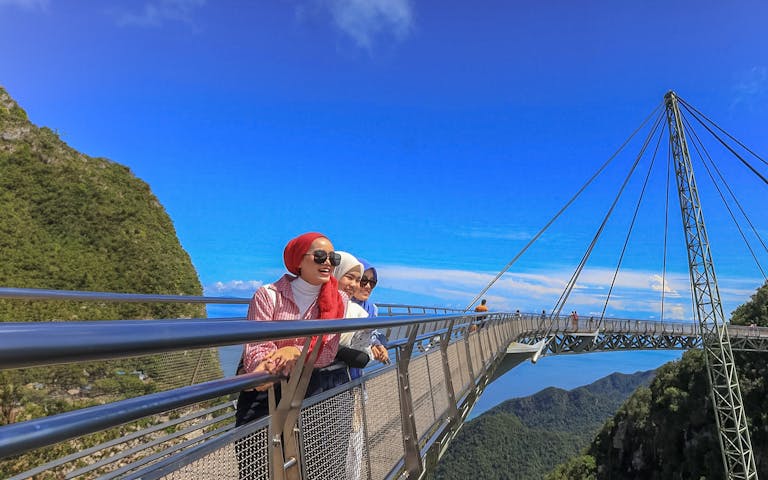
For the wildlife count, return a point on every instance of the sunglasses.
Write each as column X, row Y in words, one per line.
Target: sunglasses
column 365, row 281
column 320, row 256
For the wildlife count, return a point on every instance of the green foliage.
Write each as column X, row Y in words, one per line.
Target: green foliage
column 524, row 438
column 69, row 221
column 127, row 385
column 582, row 467
column 664, row 431
column 754, row 311
column 667, row 431
column 72, row 222
column 9, row 111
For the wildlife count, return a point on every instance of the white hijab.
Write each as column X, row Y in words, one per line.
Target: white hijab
column 348, row 262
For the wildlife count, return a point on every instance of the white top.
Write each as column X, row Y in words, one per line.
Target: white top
column 353, row 311
column 304, row 294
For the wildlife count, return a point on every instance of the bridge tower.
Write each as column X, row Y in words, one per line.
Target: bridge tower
column 735, row 444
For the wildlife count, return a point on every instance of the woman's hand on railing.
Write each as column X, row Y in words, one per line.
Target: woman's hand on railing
column 282, row 360
column 264, row 367
column 380, row 353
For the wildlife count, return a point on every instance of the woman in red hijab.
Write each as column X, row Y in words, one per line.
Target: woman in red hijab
column 309, row 292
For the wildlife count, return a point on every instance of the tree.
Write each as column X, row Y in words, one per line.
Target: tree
column 754, row 311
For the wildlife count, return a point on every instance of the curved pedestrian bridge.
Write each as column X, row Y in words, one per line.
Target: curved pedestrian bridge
column 394, row 422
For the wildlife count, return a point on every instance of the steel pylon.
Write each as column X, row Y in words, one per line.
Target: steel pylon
column 735, row 444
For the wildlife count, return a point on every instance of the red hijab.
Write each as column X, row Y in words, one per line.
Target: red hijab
column 329, row 300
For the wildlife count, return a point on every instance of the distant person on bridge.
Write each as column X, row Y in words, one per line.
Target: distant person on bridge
column 477, row 321
column 575, row 320
column 482, row 307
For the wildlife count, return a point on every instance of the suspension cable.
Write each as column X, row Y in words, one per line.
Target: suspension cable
column 572, row 282
column 691, row 107
column 728, row 187
column 631, row 228
column 666, row 233
column 704, row 158
column 741, row 159
column 562, row 210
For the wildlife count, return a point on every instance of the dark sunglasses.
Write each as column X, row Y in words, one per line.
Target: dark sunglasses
column 365, row 281
column 320, row 256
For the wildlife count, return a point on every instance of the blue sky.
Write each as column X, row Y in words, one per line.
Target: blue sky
column 432, row 138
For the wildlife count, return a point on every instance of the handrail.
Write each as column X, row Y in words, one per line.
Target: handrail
column 21, row 437
column 390, row 306
column 75, row 295
column 124, row 439
column 47, row 343
column 87, row 296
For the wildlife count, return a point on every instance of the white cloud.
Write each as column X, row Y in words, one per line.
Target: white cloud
column 233, row 287
column 495, row 235
column 751, row 87
column 156, row 12
column 26, row 4
column 636, row 293
column 658, row 283
column 365, row 20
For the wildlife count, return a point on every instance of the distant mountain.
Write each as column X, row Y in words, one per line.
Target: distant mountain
column 524, row 438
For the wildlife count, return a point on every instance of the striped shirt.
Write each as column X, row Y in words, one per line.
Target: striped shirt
column 275, row 302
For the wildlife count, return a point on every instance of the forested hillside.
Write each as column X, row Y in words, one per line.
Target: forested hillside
column 73, row 222
column 667, row 431
column 70, row 221
column 524, row 438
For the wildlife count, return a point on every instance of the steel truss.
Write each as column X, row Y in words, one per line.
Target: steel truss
column 736, row 446
column 606, row 342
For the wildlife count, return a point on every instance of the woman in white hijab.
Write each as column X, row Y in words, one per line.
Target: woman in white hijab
column 348, row 273
column 352, row 345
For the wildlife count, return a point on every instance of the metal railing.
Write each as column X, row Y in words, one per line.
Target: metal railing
column 387, row 438
column 394, row 420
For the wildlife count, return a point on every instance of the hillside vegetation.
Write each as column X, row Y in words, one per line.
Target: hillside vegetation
column 667, row 431
column 524, row 438
column 73, row 222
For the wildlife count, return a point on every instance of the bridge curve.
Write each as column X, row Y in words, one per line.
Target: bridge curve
column 393, row 422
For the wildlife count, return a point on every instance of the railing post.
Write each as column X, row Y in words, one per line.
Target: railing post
column 283, row 442
column 453, row 412
column 467, row 334
column 497, row 334
column 491, row 354
column 412, row 458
